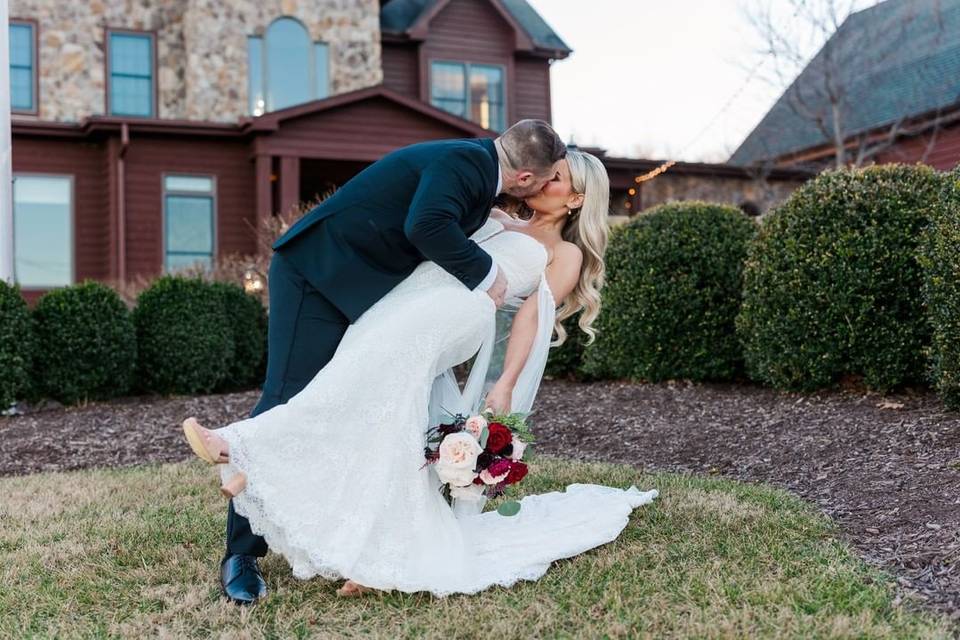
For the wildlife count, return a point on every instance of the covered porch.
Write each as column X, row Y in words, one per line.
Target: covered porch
column 303, row 153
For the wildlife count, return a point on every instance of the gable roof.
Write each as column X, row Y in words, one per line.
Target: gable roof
column 271, row 121
column 403, row 17
column 897, row 59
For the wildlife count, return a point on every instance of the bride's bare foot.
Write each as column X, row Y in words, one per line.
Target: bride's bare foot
column 205, row 443
column 351, row 589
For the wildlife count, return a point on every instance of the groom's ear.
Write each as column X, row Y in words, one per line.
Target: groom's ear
column 525, row 178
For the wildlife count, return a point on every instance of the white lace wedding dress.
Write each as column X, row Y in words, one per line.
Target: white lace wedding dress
column 334, row 477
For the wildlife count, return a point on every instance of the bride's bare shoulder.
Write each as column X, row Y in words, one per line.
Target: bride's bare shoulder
column 567, row 253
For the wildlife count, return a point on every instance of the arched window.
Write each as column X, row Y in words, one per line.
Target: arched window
column 285, row 67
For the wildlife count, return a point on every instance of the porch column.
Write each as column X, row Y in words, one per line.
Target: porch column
column 289, row 183
column 6, row 158
column 264, row 200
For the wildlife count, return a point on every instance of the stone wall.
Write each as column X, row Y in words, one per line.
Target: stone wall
column 201, row 49
column 764, row 194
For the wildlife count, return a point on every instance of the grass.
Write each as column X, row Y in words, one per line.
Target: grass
column 134, row 553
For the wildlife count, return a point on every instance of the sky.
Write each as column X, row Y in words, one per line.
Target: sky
column 664, row 80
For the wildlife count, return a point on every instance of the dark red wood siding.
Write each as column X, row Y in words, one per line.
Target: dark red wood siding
column 85, row 162
column 401, row 68
column 471, row 31
column 363, row 131
column 532, row 88
column 943, row 154
column 149, row 158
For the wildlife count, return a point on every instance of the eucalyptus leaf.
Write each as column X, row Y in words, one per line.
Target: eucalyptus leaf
column 483, row 437
column 509, row 508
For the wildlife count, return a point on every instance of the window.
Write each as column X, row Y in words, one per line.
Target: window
column 472, row 91
column 43, row 230
column 285, row 68
column 23, row 67
column 188, row 207
column 131, row 88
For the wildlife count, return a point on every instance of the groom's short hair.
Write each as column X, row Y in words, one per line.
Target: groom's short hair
column 532, row 145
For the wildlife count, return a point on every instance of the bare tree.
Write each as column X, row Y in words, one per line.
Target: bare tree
column 851, row 54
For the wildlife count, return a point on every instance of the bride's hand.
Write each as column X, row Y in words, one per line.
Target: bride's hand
column 500, row 398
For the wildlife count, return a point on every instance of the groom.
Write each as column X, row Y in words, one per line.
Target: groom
column 415, row 204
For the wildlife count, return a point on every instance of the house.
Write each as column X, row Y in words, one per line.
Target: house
column 886, row 84
column 152, row 135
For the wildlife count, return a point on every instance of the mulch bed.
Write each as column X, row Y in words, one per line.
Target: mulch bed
column 885, row 468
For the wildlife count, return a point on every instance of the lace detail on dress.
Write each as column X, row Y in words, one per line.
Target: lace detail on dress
column 334, row 478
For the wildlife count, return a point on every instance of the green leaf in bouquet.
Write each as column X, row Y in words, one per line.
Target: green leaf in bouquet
column 483, row 437
column 509, row 508
column 527, row 453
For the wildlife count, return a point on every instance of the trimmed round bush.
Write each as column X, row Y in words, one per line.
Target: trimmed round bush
column 248, row 332
column 184, row 336
column 16, row 345
column 673, row 291
column 832, row 284
column 940, row 258
column 566, row 360
column 86, row 344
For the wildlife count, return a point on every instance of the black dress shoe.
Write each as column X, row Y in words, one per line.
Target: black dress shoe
column 241, row 580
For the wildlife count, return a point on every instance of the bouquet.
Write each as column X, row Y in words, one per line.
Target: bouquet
column 480, row 456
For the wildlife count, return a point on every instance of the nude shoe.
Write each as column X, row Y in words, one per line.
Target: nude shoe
column 192, row 430
column 233, row 486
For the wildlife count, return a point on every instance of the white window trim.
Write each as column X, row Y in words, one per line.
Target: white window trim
column 73, row 229
column 164, row 192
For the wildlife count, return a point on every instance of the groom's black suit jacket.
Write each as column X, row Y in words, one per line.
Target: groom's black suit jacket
column 417, row 203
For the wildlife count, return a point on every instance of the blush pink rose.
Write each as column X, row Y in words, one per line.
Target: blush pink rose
column 518, row 448
column 475, row 426
column 490, row 479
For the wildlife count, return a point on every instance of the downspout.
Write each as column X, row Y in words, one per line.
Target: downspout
column 122, row 205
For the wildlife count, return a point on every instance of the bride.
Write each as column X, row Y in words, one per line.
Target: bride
column 333, row 479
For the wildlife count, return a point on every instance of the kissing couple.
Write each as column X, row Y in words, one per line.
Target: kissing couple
column 375, row 295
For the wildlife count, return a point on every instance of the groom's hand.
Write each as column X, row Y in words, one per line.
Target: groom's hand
column 498, row 290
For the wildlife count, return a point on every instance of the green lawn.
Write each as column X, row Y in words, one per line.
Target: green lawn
column 134, row 553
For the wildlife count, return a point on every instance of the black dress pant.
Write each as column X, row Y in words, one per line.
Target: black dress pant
column 302, row 336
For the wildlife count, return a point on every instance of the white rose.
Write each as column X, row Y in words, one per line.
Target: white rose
column 475, row 425
column 472, row 492
column 518, row 448
column 458, row 459
column 453, row 476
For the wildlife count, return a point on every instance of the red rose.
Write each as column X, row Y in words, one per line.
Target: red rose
column 498, row 437
column 518, row 471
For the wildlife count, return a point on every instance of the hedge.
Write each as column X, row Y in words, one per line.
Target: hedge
column 86, row 344
column 832, row 286
column 184, row 335
column 16, row 345
column 940, row 258
column 673, row 291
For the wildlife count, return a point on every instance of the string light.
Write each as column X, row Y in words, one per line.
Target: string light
column 252, row 281
column 650, row 175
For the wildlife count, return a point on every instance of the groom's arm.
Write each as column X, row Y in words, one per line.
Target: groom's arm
column 433, row 223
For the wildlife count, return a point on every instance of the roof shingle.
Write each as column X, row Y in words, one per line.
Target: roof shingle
column 397, row 16
column 897, row 59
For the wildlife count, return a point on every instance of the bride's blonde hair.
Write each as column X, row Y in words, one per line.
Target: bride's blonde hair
column 587, row 228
